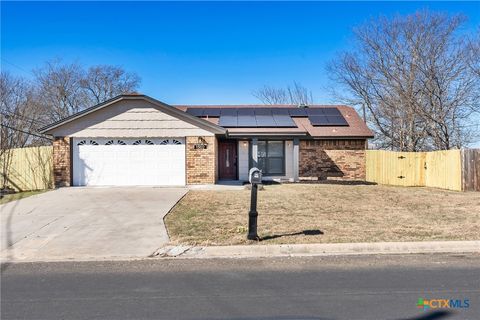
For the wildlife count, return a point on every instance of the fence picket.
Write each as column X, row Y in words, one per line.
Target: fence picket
column 30, row 168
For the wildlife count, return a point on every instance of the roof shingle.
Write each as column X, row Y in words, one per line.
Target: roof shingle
column 356, row 126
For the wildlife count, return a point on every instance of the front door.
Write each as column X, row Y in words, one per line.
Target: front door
column 227, row 160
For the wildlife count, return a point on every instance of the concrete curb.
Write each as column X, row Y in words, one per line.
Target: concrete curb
column 327, row 249
column 283, row 250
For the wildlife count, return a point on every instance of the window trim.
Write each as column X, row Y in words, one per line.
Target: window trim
column 266, row 174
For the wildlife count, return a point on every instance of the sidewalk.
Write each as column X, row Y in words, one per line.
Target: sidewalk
column 324, row 249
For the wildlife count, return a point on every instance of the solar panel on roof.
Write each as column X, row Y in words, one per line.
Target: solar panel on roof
column 315, row 111
column 228, row 121
column 263, row 112
column 318, row 120
column 337, row 121
column 228, row 112
column 211, row 112
column 279, row 111
column 195, row 111
column 265, row 120
column 246, row 121
column 297, row 112
column 246, row 112
column 283, row 120
column 270, row 117
column 331, row 111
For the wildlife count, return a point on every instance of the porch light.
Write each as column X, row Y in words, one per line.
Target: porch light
column 245, row 143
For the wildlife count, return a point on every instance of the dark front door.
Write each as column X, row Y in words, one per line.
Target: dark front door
column 227, row 160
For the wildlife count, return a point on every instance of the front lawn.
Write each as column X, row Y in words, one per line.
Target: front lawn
column 308, row 213
column 19, row 195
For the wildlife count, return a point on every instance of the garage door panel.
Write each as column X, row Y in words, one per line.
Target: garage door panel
column 160, row 162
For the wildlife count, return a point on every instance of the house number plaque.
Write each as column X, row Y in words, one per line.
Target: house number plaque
column 201, row 144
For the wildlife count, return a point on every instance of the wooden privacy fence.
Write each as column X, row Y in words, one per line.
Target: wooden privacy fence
column 449, row 169
column 27, row 168
column 471, row 169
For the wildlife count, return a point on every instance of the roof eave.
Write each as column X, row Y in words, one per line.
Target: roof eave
column 267, row 133
column 342, row 137
column 211, row 127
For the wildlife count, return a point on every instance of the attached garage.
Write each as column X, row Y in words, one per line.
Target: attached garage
column 128, row 161
column 134, row 140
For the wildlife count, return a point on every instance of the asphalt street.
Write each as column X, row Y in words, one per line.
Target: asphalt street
column 362, row 287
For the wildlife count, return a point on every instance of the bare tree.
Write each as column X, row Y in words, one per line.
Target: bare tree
column 412, row 74
column 104, row 82
column 473, row 61
column 18, row 114
column 65, row 89
column 60, row 91
column 57, row 91
column 270, row 95
column 293, row 94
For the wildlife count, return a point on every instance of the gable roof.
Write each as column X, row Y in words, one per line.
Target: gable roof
column 356, row 128
column 172, row 111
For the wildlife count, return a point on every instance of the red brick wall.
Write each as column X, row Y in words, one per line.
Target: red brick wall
column 334, row 159
column 61, row 161
column 201, row 163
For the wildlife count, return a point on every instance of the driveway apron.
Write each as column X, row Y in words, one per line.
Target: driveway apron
column 87, row 223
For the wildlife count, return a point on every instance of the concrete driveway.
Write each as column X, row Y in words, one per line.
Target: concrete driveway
column 87, row 223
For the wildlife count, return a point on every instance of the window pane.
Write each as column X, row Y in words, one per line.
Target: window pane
column 271, row 157
column 275, row 148
column 262, row 165
column 262, row 148
column 275, row 166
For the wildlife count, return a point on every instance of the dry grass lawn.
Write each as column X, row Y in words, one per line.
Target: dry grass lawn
column 343, row 213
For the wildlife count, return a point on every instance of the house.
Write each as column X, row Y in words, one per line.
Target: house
column 134, row 139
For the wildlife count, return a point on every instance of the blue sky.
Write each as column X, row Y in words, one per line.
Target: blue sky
column 192, row 52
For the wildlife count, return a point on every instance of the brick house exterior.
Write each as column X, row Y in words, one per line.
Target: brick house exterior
column 201, row 163
column 61, row 161
column 136, row 140
column 341, row 159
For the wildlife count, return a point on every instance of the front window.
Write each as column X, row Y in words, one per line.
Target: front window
column 271, row 157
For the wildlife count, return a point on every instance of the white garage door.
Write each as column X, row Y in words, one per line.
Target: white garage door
column 128, row 162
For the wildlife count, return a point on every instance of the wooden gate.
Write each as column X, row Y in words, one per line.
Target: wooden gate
column 396, row 168
column 438, row 169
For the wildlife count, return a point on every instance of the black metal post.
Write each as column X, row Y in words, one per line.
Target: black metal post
column 253, row 214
